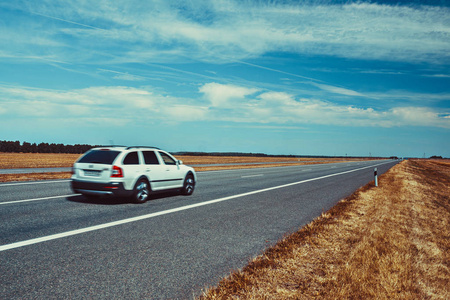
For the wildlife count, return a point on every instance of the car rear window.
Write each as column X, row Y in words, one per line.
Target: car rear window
column 106, row 157
column 150, row 158
column 131, row 159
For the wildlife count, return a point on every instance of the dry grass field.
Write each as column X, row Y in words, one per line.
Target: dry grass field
column 36, row 160
column 52, row 160
column 390, row 242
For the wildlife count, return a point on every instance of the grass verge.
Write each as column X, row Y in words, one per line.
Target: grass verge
column 387, row 242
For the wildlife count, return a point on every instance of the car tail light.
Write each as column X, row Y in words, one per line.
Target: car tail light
column 111, row 187
column 116, row 172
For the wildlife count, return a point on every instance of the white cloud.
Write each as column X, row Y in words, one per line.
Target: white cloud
column 221, row 95
column 182, row 113
column 277, row 98
column 284, row 108
column 124, row 103
column 229, row 103
column 419, row 116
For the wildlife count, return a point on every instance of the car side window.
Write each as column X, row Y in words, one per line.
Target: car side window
column 150, row 158
column 131, row 159
column 167, row 159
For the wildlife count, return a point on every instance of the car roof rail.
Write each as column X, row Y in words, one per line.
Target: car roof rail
column 131, row 147
column 110, row 146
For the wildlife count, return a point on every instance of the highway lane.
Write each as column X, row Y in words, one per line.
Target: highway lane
column 173, row 255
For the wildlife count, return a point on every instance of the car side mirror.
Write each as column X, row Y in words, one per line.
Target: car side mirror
column 179, row 162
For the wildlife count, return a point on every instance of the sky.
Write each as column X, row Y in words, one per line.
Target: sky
column 344, row 78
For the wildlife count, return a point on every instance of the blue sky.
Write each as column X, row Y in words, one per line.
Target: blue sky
column 352, row 78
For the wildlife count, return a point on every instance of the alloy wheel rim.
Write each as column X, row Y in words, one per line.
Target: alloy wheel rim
column 142, row 194
column 189, row 185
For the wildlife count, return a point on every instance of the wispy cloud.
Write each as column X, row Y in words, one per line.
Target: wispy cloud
column 238, row 30
column 336, row 90
column 124, row 76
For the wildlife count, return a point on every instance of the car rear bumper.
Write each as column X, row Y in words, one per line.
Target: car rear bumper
column 114, row 189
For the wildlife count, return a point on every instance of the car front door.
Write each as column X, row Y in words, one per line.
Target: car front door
column 173, row 176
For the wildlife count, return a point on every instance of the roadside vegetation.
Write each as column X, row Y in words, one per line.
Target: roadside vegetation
column 386, row 242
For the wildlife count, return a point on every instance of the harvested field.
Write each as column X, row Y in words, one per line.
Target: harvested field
column 380, row 243
column 36, row 160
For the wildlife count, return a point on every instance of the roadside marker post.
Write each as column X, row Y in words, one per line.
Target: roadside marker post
column 375, row 171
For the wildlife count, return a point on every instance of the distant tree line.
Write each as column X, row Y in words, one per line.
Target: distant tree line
column 25, row 147
column 230, row 154
column 260, row 155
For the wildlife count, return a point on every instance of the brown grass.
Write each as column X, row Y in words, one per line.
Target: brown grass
column 387, row 242
column 36, row 160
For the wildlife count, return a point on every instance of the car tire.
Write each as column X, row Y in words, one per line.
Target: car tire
column 189, row 185
column 141, row 191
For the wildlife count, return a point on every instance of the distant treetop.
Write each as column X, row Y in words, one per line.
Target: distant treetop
column 25, row 147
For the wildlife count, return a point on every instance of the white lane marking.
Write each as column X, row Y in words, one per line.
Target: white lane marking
column 249, row 176
column 39, row 182
column 165, row 212
column 38, row 199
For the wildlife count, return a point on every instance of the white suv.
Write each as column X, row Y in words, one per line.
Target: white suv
column 130, row 172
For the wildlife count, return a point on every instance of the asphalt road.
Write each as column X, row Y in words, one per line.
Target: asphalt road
column 56, row 245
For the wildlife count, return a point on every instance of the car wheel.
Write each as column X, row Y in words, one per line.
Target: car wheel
column 189, row 185
column 141, row 191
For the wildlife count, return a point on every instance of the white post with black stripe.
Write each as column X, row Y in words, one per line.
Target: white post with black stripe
column 375, row 174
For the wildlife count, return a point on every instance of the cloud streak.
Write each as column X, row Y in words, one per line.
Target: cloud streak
column 240, row 30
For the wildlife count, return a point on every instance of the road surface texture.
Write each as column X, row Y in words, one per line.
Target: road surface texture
column 55, row 244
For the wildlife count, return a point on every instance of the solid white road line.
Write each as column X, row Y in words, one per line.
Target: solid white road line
column 38, row 199
column 249, row 176
column 38, row 182
column 165, row 212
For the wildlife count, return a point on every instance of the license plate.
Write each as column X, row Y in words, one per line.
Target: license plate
column 92, row 173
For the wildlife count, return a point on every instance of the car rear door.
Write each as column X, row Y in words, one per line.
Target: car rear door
column 154, row 169
column 132, row 169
